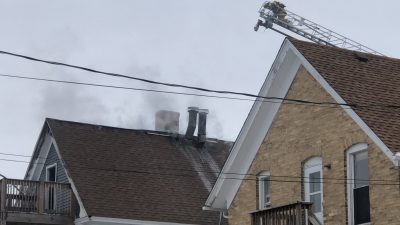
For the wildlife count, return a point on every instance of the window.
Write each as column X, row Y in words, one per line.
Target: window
column 313, row 185
column 358, row 185
column 51, row 175
column 264, row 189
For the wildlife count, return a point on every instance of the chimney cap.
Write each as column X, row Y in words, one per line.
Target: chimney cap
column 193, row 108
column 203, row 111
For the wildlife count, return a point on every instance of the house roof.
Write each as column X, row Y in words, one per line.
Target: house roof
column 361, row 79
column 138, row 174
column 349, row 77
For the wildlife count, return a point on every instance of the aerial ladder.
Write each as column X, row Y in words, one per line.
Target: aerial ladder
column 274, row 13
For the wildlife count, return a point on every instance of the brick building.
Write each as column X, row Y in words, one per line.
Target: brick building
column 341, row 156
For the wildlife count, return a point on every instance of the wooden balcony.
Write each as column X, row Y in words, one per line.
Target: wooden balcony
column 35, row 202
column 298, row 213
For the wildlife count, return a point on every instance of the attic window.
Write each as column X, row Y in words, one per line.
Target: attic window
column 51, row 172
column 361, row 57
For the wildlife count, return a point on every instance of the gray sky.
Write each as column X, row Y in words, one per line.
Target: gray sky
column 205, row 43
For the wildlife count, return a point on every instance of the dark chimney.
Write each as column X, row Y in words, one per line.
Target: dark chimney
column 192, row 122
column 201, row 132
column 167, row 121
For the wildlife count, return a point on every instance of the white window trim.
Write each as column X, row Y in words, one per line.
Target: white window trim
column 49, row 167
column 54, row 165
column 350, row 175
column 261, row 177
column 316, row 164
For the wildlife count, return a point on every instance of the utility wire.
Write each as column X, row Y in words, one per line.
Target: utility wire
column 189, row 87
column 197, row 171
column 237, row 178
column 9, row 154
column 285, row 101
column 124, row 76
column 20, row 161
column 158, row 91
column 374, row 181
column 120, row 87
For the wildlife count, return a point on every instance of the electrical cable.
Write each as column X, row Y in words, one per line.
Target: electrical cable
column 186, row 86
column 284, row 101
column 370, row 181
column 123, row 76
column 158, row 91
column 9, row 154
column 120, row 87
column 214, row 172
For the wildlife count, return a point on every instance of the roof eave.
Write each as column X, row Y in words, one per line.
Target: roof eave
column 284, row 63
column 224, row 190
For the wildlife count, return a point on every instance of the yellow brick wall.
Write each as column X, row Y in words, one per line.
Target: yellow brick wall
column 300, row 132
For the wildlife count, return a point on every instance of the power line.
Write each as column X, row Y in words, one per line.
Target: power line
column 197, row 171
column 124, row 76
column 120, row 87
column 20, row 161
column 189, row 87
column 237, row 178
column 277, row 178
column 159, row 91
column 285, row 101
column 9, row 154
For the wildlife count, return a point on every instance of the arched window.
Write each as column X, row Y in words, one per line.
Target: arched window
column 264, row 190
column 313, row 185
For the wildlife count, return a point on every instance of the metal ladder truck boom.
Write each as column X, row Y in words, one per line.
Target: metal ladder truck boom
column 274, row 12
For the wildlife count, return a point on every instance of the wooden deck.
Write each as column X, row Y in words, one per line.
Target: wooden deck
column 298, row 213
column 35, row 202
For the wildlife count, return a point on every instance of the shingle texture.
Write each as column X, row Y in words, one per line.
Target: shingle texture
column 361, row 79
column 141, row 175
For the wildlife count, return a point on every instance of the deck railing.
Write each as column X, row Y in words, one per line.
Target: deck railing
column 35, row 197
column 290, row 214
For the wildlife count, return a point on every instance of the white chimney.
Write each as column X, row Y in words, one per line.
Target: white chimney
column 192, row 123
column 201, row 131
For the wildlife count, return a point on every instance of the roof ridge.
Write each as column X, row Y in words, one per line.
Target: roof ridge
column 292, row 39
column 100, row 125
column 145, row 131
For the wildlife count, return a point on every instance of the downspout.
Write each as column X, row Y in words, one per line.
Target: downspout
column 220, row 217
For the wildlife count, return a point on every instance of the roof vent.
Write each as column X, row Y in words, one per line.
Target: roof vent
column 361, row 57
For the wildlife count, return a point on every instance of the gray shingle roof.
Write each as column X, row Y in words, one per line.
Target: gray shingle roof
column 141, row 175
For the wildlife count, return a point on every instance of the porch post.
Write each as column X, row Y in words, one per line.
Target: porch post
column 298, row 214
column 40, row 197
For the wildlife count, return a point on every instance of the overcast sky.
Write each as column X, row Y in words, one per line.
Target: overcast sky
column 206, row 43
